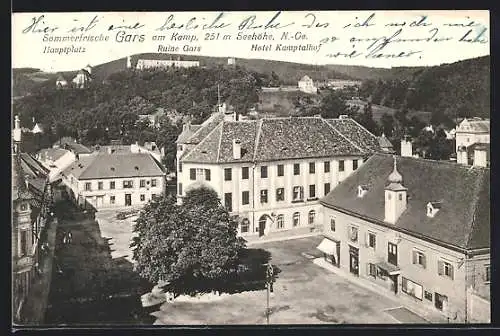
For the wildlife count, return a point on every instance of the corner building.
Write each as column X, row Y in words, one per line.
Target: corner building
column 417, row 229
column 271, row 172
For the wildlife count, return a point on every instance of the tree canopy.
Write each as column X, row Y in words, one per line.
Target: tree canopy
column 186, row 245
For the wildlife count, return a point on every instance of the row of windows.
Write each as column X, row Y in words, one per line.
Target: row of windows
column 418, row 257
column 280, row 221
column 142, row 197
column 127, row 184
column 280, row 170
column 297, row 194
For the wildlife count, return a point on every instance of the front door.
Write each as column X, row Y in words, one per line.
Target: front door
column 394, row 283
column 99, row 201
column 128, row 199
column 354, row 260
column 262, row 225
column 440, row 301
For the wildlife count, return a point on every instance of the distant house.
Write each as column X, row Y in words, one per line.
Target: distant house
column 306, row 84
column 338, row 84
column 61, row 82
column 154, row 118
column 82, row 79
column 231, row 61
column 165, row 64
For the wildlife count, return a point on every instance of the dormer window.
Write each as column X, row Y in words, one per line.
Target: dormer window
column 433, row 208
column 362, row 190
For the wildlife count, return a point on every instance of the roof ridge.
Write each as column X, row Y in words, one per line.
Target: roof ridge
column 220, row 141
column 363, row 127
column 342, row 135
column 257, row 138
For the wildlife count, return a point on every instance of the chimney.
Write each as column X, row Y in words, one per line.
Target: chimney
column 395, row 196
column 462, row 157
column 406, row 147
column 237, row 149
column 480, row 155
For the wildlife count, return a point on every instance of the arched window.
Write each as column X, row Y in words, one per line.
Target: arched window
column 280, row 222
column 245, row 225
column 296, row 219
column 312, row 215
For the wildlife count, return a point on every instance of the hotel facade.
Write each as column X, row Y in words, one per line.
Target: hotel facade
column 271, row 172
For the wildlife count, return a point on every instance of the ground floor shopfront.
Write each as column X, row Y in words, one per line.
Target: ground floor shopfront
column 387, row 277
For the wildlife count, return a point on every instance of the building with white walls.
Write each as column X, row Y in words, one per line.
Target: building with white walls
column 272, row 171
column 416, row 228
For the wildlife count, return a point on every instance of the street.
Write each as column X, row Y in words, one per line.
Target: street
column 98, row 285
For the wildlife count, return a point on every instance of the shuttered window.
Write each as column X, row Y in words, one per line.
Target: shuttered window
column 445, row 269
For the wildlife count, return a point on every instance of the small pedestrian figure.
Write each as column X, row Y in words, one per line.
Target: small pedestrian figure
column 65, row 239
column 70, row 237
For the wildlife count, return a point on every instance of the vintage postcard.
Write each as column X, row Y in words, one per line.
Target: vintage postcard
column 250, row 168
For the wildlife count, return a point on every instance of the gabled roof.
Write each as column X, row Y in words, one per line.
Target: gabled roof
column 272, row 139
column 187, row 133
column 306, row 78
column 52, row 154
column 476, row 125
column 205, row 128
column 75, row 147
column 463, row 220
column 384, row 142
column 356, row 133
column 103, row 165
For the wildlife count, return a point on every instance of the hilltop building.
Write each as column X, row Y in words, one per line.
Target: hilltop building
column 306, row 84
column 61, row 82
column 231, row 61
column 129, row 62
column 82, row 78
column 272, row 171
column 338, row 84
column 418, row 229
column 472, row 139
column 165, row 64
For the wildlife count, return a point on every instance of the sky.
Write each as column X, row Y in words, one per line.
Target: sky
column 368, row 38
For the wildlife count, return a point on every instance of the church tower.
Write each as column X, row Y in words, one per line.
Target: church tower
column 17, row 135
column 395, row 196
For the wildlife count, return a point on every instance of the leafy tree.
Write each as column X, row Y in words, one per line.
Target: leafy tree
column 203, row 196
column 365, row 118
column 189, row 246
column 441, row 148
column 333, row 105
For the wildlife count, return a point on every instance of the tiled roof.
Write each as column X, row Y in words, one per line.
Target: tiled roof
column 384, row 142
column 32, row 166
column 99, row 166
column 205, row 128
column 356, row 133
column 187, row 133
column 463, row 220
column 53, row 154
column 272, row 139
column 476, row 126
column 76, row 147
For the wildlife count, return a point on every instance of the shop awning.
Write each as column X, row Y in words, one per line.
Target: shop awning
column 389, row 268
column 327, row 246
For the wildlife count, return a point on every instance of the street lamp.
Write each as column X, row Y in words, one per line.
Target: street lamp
column 269, row 287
